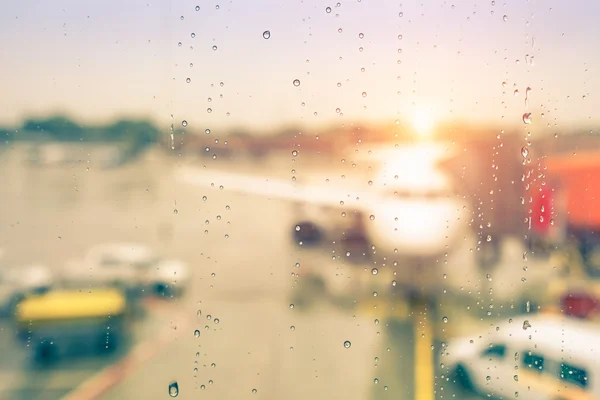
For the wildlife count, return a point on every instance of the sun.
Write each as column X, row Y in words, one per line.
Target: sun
column 423, row 123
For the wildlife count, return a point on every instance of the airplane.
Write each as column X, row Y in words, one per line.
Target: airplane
column 405, row 211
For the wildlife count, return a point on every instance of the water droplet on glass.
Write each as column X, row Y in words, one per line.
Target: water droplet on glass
column 214, row 47
column 488, row 378
column 193, row 35
column 184, row 123
column 504, row 18
column 347, row 344
column 516, row 92
column 173, row 389
column 371, row 217
column 294, row 153
column 526, row 325
column 445, row 320
column 266, row 34
column 216, row 321
column 527, row 118
column 197, row 333
column 197, row 8
column 188, row 80
column 254, row 391
column 209, row 110
column 361, row 35
column 328, row 10
column 375, row 380
column 364, row 94
column 524, row 151
column 401, row 14
column 374, row 271
column 296, row 82
column 394, row 283
column 291, row 305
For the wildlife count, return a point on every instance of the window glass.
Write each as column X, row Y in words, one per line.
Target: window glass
column 533, row 361
column 572, row 374
column 298, row 199
column 495, row 350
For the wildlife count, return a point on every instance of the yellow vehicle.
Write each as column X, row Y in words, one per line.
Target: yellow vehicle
column 66, row 322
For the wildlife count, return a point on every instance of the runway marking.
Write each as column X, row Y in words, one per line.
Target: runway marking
column 100, row 383
column 423, row 337
column 398, row 309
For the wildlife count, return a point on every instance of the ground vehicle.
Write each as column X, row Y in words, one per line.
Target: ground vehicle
column 18, row 282
column 132, row 267
column 530, row 356
column 65, row 322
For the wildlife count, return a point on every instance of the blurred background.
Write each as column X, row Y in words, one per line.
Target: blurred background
column 299, row 199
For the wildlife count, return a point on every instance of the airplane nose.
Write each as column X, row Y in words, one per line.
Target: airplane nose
column 417, row 229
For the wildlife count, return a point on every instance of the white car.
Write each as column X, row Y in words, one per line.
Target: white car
column 129, row 266
column 533, row 357
column 18, row 282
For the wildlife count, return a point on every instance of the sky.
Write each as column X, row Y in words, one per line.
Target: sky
column 367, row 60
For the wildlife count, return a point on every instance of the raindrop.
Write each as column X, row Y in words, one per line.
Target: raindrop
column 184, row 123
column 254, row 391
column 207, row 131
column 294, row 153
column 197, row 333
column 445, row 320
column 188, row 80
column 361, row 35
column 371, row 217
column 292, row 305
column 526, row 325
column 364, row 94
column 374, row 271
column 197, row 8
column 516, row 92
column 347, row 344
column 266, row 34
column 296, row 82
column 504, row 18
column 394, row 283
column 527, row 118
column 328, row 10
column 214, row 47
column 524, row 151
column 400, row 14
column 216, row 320
column 292, row 328
column 173, row 389
column 193, row 35
column 375, row 380
column 209, row 110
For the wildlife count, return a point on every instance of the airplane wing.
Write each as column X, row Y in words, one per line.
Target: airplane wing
column 326, row 195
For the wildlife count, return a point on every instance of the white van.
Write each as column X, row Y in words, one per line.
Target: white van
column 537, row 357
